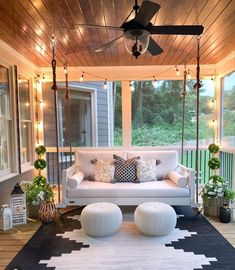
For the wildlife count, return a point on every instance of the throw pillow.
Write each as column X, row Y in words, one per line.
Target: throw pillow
column 104, row 171
column 125, row 170
column 75, row 180
column 146, row 170
column 178, row 179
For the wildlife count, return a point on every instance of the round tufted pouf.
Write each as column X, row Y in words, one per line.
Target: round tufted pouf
column 101, row 219
column 155, row 218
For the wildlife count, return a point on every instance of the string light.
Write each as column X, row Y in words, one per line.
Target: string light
column 82, row 77
column 53, row 41
column 132, row 87
column 40, row 126
column 177, row 71
column 42, row 103
column 188, row 74
column 154, row 82
column 65, row 70
column 105, row 84
column 211, row 103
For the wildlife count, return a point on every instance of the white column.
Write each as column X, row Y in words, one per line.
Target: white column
column 126, row 115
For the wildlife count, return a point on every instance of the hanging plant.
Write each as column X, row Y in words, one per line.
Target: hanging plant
column 214, row 163
column 213, row 148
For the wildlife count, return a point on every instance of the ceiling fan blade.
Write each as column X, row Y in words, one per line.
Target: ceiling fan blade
column 146, row 12
column 109, row 27
column 177, row 29
column 153, row 47
column 110, row 44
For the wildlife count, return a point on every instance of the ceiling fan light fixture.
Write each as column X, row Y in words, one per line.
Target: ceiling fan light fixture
column 136, row 41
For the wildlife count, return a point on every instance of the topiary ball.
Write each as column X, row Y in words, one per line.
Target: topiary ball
column 216, row 178
column 213, row 148
column 40, row 180
column 214, row 163
column 40, row 150
column 40, row 164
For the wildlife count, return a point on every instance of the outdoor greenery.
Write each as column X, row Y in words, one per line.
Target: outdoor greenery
column 39, row 189
column 157, row 113
column 216, row 187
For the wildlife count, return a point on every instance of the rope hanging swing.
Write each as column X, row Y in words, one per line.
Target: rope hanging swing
column 68, row 114
column 54, row 88
column 197, row 86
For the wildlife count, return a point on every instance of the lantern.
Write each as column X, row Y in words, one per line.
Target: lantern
column 18, row 206
column 5, row 217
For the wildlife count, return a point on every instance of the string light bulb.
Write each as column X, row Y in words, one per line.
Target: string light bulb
column 82, row 77
column 105, row 84
column 53, row 41
column 65, row 70
column 188, row 74
column 132, row 87
column 154, row 82
column 177, row 71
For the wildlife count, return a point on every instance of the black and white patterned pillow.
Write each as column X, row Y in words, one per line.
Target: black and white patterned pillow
column 125, row 170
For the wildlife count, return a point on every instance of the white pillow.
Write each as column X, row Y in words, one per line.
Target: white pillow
column 146, row 170
column 104, row 171
column 178, row 179
column 76, row 179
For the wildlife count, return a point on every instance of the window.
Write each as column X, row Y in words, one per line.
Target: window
column 157, row 113
column 25, row 121
column 95, row 113
column 228, row 126
column 5, row 119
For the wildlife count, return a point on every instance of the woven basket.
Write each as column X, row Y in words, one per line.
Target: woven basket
column 47, row 212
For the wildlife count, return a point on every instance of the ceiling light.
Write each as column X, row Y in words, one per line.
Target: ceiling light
column 65, row 70
column 136, row 41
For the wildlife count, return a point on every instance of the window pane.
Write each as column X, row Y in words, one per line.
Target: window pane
column 96, row 114
column 4, row 92
column 4, row 146
column 25, row 129
column 24, row 98
column 25, row 123
column 229, row 110
column 80, row 125
column 157, row 113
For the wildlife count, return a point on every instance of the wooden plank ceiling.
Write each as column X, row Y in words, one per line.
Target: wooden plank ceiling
column 27, row 26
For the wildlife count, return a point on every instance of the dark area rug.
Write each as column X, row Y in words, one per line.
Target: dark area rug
column 45, row 244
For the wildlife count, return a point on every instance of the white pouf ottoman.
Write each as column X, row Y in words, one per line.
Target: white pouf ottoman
column 101, row 219
column 155, row 218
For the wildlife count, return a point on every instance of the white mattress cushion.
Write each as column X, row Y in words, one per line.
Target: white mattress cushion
column 158, row 189
column 83, row 159
column 169, row 160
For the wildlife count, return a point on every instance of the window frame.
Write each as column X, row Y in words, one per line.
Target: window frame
column 27, row 165
column 221, row 126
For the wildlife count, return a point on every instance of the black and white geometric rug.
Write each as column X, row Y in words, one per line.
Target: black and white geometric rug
column 194, row 244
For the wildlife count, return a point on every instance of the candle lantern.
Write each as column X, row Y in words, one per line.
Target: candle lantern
column 5, row 217
column 18, row 205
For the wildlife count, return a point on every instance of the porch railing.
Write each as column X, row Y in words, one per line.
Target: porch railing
column 227, row 158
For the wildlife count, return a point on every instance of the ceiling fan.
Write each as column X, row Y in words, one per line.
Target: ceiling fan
column 138, row 31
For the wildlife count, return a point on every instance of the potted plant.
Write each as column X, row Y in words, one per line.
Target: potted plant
column 215, row 192
column 39, row 192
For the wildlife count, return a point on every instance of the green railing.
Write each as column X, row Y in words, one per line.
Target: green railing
column 204, row 155
column 227, row 167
